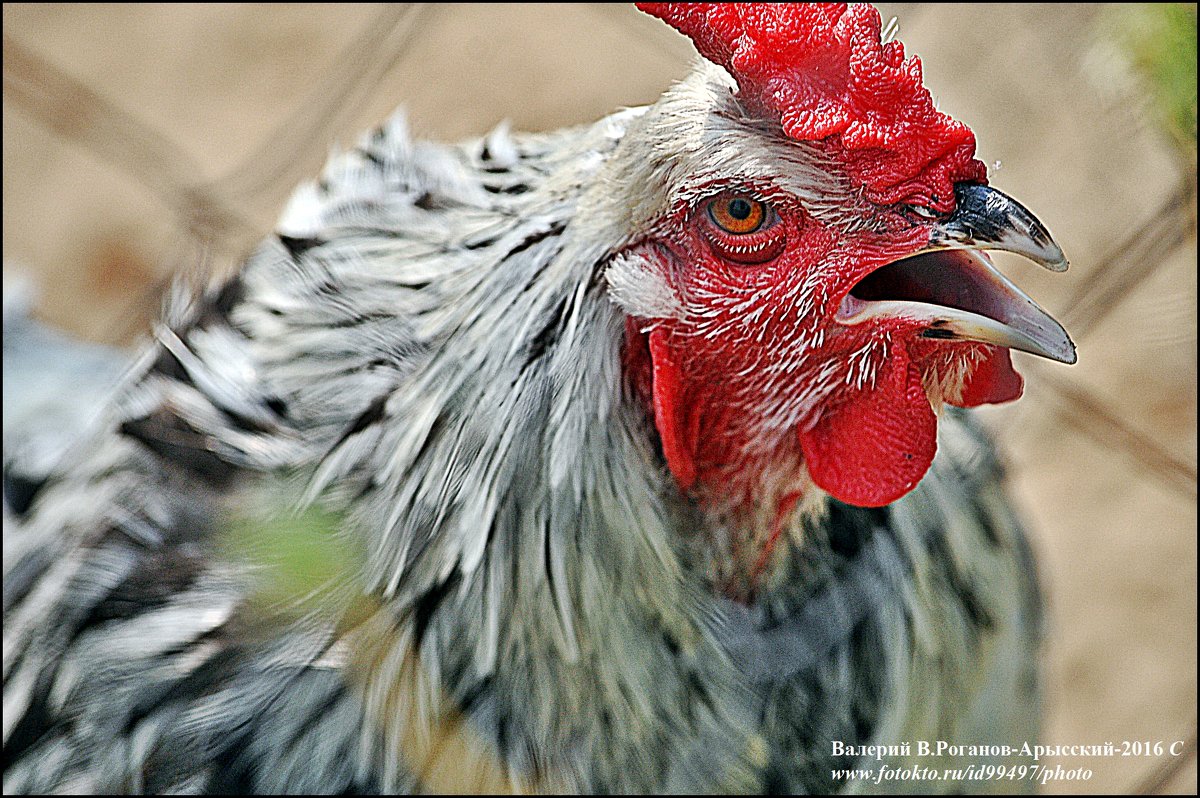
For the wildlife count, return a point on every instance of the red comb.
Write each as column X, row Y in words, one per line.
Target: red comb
column 823, row 70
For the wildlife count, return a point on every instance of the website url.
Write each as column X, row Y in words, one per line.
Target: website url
column 1034, row 773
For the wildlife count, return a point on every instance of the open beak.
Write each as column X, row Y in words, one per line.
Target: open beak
column 952, row 289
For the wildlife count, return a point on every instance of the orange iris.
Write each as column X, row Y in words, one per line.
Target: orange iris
column 737, row 214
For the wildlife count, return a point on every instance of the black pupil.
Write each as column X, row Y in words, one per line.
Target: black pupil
column 740, row 209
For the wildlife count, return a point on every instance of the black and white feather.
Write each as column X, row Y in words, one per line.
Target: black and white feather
column 429, row 351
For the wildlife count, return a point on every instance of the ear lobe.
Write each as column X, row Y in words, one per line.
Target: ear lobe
column 875, row 448
column 678, row 424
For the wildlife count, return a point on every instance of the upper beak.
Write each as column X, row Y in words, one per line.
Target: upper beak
column 952, row 288
column 985, row 218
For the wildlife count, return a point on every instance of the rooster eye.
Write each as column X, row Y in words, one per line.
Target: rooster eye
column 737, row 214
column 742, row 229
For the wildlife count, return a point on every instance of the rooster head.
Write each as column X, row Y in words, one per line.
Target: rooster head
column 807, row 285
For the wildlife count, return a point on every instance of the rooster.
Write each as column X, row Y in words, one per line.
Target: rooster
column 627, row 457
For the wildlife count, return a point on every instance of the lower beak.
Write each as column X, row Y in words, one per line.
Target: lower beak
column 952, row 289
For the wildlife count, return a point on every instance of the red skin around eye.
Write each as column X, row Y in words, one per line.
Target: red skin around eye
column 758, row 247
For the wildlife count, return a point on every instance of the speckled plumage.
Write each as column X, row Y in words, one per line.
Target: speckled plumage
column 431, row 351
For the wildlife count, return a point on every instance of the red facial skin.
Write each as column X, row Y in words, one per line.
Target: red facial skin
column 724, row 381
column 721, row 380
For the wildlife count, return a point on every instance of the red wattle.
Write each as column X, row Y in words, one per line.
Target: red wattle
column 678, row 425
column 875, row 448
column 994, row 380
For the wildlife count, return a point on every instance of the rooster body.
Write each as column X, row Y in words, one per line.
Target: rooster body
column 444, row 348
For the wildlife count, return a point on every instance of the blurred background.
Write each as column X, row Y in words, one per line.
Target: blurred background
column 144, row 141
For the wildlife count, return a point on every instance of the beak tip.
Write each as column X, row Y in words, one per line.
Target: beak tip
column 1059, row 263
column 1062, row 351
column 1067, row 353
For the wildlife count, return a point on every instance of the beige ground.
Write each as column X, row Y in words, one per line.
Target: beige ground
column 1103, row 454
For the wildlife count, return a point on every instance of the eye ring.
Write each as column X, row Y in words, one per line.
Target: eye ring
column 738, row 214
